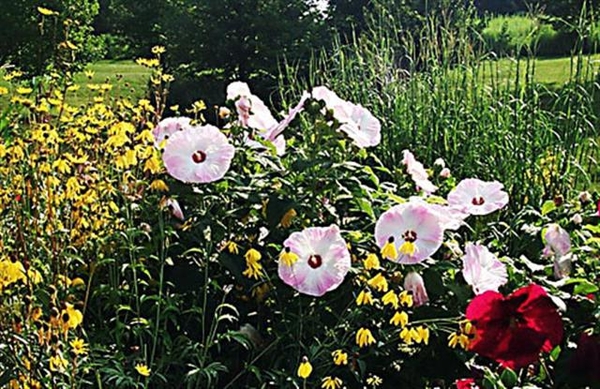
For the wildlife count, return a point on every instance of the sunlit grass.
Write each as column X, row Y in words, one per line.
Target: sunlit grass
column 128, row 79
column 553, row 72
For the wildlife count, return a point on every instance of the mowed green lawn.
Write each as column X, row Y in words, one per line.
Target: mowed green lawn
column 553, row 72
column 128, row 79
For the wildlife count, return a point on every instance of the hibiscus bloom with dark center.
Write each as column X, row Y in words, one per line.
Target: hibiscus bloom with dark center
column 514, row 329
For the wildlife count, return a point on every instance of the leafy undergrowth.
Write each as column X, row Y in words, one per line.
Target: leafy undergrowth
column 255, row 252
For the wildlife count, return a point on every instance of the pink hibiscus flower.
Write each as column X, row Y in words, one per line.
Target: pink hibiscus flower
column 451, row 218
column 315, row 260
column 417, row 172
column 198, row 154
column 477, row 197
column 408, row 233
column 356, row 121
column 482, row 270
column 253, row 113
column 167, row 127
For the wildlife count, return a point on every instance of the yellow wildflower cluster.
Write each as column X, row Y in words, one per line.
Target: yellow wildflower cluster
column 69, row 175
column 418, row 334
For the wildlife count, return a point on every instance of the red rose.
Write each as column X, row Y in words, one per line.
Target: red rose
column 513, row 330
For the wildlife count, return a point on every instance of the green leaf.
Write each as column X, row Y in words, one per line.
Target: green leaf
column 509, row 378
column 585, row 287
column 365, row 206
column 555, row 353
column 548, row 207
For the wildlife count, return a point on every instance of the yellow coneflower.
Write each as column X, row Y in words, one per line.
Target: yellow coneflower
column 288, row 257
column 399, row 319
column 364, row 297
column 142, row 369
column 339, row 357
column 390, row 298
column 379, row 283
column 389, row 249
column 331, row 383
column 304, row 369
column 364, row 337
column 371, row 262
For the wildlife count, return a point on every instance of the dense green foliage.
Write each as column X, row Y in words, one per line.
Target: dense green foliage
column 32, row 41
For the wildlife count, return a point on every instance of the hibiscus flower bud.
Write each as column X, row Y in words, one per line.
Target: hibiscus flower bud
column 557, row 241
column 445, row 173
column 413, row 282
column 585, row 197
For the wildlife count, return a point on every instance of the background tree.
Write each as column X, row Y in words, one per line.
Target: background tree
column 212, row 42
column 32, row 40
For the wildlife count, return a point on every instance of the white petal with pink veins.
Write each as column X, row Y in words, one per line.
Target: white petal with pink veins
column 482, row 270
column 198, row 154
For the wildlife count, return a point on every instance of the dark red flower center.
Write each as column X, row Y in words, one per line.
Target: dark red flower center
column 199, row 156
column 478, row 201
column 410, row 236
column 315, row 261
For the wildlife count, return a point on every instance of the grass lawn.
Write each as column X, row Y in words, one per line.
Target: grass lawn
column 126, row 77
column 553, row 72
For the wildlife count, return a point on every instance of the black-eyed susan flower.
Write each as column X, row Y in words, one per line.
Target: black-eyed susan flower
column 399, row 319
column 406, row 336
column 323, row 260
column 339, row 357
column 371, row 262
column 253, row 266
column 420, row 334
column 391, row 298
column 58, row 362
column 458, row 339
column 378, row 283
column 331, row 383
column 405, row 299
column 142, row 369
column 288, row 257
column 364, row 337
column 232, row 247
column 364, row 297
column 304, row 369
column 79, row 347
